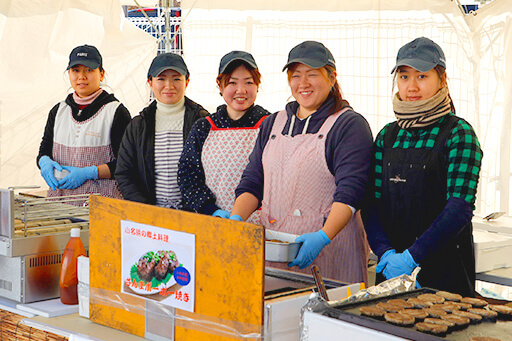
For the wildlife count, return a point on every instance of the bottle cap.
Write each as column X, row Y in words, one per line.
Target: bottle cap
column 75, row 232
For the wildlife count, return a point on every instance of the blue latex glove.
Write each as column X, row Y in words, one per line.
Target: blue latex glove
column 77, row 176
column 384, row 260
column 399, row 264
column 236, row 217
column 221, row 214
column 312, row 244
column 47, row 165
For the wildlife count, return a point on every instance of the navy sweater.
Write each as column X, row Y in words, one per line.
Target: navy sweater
column 191, row 176
column 348, row 151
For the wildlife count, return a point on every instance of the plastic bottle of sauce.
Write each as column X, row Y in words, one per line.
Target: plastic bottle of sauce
column 68, row 271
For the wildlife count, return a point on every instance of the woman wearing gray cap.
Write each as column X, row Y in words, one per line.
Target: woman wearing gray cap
column 218, row 147
column 78, row 151
column 147, row 167
column 309, row 170
column 426, row 171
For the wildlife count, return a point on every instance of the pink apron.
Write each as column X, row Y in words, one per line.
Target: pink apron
column 225, row 155
column 298, row 195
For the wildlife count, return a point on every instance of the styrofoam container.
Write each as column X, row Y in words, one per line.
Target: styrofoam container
column 492, row 250
column 283, row 251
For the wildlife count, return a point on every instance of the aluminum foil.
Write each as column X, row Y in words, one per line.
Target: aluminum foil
column 392, row 286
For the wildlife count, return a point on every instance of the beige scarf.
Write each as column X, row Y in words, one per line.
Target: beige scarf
column 417, row 114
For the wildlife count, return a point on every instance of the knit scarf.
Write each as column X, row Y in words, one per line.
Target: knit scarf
column 417, row 114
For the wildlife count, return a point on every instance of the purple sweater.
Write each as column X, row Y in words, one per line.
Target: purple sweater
column 348, row 152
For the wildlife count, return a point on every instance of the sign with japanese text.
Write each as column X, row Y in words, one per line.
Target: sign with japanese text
column 158, row 264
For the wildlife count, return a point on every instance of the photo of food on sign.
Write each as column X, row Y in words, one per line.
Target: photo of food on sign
column 152, row 272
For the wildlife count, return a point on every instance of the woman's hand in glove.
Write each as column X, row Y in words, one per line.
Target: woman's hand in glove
column 77, row 176
column 312, row 244
column 47, row 166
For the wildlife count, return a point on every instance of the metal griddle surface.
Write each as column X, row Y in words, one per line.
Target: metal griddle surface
column 500, row 329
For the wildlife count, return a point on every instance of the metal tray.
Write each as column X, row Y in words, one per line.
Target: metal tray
column 283, row 250
column 500, row 329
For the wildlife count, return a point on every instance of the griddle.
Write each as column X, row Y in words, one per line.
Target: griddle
column 500, row 329
column 281, row 283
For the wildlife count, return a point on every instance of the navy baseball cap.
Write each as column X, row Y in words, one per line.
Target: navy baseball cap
column 311, row 53
column 167, row 61
column 86, row 55
column 421, row 54
column 236, row 55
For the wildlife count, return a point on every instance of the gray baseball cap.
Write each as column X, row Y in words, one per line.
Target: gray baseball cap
column 86, row 55
column 311, row 53
column 167, row 61
column 236, row 55
column 421, row 54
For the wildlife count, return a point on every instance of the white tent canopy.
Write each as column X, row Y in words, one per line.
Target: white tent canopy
column 364, row 37
column 36, row 39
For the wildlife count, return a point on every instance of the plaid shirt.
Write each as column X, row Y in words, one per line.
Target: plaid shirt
column 462, row 150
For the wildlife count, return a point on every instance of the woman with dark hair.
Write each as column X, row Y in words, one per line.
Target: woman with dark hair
column 425, row 176
column 81, row 140
column 309, row 170
column 218, row 147
column 148, row 158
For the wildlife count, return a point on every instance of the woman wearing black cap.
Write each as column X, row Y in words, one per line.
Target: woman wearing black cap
column 151, row 147
column 309, row 170
column 79, row 148
column 426, row 171
column 218, row 147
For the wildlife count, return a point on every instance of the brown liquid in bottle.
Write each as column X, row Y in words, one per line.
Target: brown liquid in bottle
column 68, row 273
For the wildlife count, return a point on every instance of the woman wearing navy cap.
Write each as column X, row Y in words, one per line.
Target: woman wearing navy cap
column 426, row 171
column 83, row 133
column 218, row 147
column 151, row 147
column 309, row 170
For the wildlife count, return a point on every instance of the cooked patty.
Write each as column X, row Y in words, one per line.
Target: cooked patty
column 458, row 320
column 435, row 312
column 475, row 302
column 449, row 296
column 372, row 311
column 463, row 306
column 440, row 321
column 446, row 306
column 502, row 309
column 416, row 313
column 431, row 298
column 483, row 338
column 391, row 308
column 402, row 303
column 398, row 318
column 483, row 312
column 431, row 328
column 418, row 303
column 472, row 316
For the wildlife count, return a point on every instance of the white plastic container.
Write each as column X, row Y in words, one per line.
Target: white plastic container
column 492, row 250
column 284, row 249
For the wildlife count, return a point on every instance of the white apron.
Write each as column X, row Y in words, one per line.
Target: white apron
column 225, row 155
column 298, row 195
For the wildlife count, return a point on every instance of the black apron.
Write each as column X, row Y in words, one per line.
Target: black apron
column 413, row 195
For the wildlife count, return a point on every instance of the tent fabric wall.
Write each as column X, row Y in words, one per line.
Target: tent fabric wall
column 364, row 37
column 36, row 39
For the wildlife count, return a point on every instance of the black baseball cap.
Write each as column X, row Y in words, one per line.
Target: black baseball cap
column 311, row 53
column 236, row 55
column 421, row 54
column 167, row 61
column 86, row 55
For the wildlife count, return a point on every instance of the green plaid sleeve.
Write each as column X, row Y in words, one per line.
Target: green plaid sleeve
column 464, row 161
column 378, row 147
